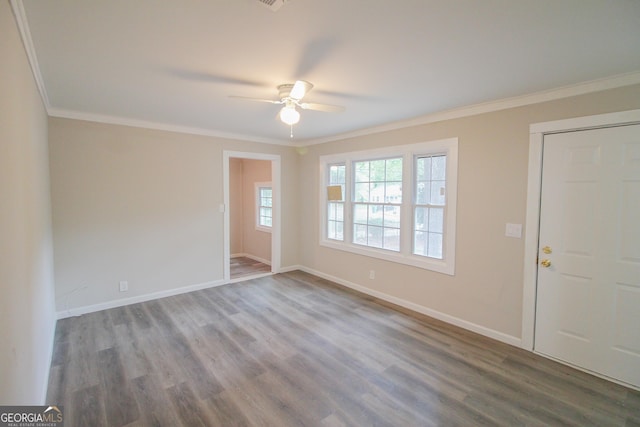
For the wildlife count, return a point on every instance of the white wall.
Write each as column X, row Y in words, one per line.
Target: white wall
column 27, row 315
column 486, row 292
column 142, row 206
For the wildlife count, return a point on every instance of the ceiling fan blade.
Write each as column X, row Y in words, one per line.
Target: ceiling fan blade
column 246, row 98
column 321, row 107
column 300, row 89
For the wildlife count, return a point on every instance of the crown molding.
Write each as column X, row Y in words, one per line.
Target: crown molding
column 25, row 33
column 455, row 113
column 491, row 106
column 115, row 120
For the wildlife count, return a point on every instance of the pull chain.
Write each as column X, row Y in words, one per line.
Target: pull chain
column 291, row 131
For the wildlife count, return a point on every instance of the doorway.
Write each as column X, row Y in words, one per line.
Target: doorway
column 582, row 273
column 252, row 215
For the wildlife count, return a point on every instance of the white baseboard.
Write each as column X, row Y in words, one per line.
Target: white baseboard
column 482, row 330
column 79, row 311
column 291, row 268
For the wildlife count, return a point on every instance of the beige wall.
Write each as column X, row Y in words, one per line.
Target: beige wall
column 27, row 315
column 142, row 206
column 486, row 290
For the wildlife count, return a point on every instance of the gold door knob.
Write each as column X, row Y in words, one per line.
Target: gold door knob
column 546, row 250
column 545, row 263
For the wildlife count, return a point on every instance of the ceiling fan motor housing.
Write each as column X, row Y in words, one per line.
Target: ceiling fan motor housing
column 274, row 5
column 284, row 90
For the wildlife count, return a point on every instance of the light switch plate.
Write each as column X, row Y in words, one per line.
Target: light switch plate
column 513, row 230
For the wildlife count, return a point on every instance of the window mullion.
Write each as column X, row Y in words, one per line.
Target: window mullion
column 406, row 208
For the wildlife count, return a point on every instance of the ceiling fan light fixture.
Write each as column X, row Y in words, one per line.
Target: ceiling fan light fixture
column 289, row 115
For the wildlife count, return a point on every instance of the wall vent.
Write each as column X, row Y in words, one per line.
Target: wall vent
column 274, row 5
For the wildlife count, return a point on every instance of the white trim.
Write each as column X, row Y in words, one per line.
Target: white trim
column 276, row 230
column 25, row 33
column 257, row 200
column 582, row 88
column 123, row 121
column 79, row 311
column 291, row 268
column 482, row 330
column 532, row 229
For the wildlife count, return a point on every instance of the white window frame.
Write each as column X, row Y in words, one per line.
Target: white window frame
column 448, row 147
column 341, row 202
column 258, row 201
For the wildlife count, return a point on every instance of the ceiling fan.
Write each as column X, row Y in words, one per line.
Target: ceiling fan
column 291, row 97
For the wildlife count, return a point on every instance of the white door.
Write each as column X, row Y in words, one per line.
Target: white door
column 588, row 291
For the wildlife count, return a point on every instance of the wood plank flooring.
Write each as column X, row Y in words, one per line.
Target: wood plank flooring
column 244, row 266
column 295, row 350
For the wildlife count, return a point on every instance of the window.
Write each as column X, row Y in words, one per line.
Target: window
column 428, row 209
column 377, row 201
column 264, row 206
column 396, row 203
column 335, row 205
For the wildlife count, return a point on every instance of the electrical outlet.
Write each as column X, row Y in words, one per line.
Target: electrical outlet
column 124, row 286
column 372, row 274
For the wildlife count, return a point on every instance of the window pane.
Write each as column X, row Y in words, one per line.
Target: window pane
column 435, row 245
column 362, row 171
column 392, row 216
column 360, row 234
column 423, row 169
column 332, row 211
column 376, row 213
column 375, row 237
column 362, row 192
column 340, row 179
column 376, row 192
column 339, row 231
column 420, row 243
column 438, row 168
column 436, row 220
column 268, row 222
column 393, row 192
column 377, row 171
column 421, row 219
column 437, row 192
column 360, row 214
column 266, row 192
column 331, row 229
column 394, row 169
column 391, row 239
column 423, row 193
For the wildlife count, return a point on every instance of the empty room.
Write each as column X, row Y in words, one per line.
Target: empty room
column 320, row 212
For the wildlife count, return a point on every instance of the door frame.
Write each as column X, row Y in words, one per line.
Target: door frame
column 537, row 131
column 276, row 229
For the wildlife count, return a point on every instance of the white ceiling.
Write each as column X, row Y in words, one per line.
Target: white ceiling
column 174, row 63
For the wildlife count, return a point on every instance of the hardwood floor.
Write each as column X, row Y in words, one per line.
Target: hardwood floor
column 243, row 266
column 295, row 350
